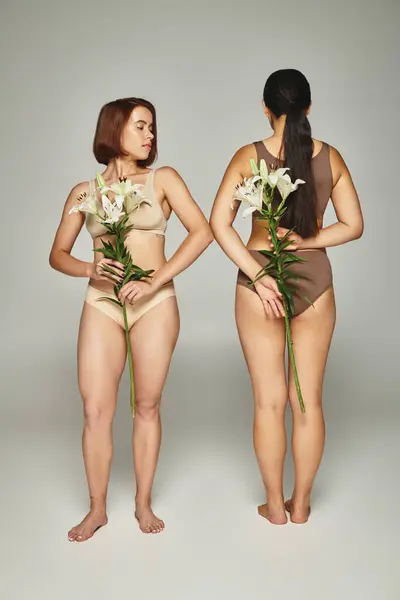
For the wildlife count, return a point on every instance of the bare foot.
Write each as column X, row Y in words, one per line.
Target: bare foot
column 148, row 522
column 298, row 514
column 86, row 528
column 276, row 517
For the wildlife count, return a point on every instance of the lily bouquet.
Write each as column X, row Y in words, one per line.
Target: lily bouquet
column 114, row 216
column 259, row 191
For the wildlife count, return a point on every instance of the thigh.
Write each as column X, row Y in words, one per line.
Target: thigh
column 263, row 343
column 101, row 357
column 153, row 340
column 312, row 334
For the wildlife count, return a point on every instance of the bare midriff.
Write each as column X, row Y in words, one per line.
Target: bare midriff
column 147, row 250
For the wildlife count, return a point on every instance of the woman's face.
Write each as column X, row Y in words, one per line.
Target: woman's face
column 137, row 136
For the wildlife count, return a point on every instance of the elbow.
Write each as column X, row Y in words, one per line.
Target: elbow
column 214, row 228
column 219, row 231
column 207, row 236
column 202, row 235
column 51, row 260
column 54, row 259
column 358, row 231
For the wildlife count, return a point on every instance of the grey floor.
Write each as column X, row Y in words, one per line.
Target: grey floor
column 215, row 546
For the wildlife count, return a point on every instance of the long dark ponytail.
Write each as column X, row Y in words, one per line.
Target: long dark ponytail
column 287, row 92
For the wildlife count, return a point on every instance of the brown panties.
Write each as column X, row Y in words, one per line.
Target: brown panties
column 316, row 268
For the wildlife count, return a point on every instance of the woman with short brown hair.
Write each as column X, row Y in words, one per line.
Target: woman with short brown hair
column 126, row 142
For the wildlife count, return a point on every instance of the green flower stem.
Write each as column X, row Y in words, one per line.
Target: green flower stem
column 273, row 225
column 130, row 359
column 292, row 359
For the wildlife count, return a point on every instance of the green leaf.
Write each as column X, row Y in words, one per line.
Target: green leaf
column 111, row 270
column 268, row 254
column 288, row 274
column 307, row 299
column 284, row 245
column 288, row 258
column 287, row 234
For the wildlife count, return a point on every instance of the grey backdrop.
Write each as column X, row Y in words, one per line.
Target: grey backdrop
column 204, row 66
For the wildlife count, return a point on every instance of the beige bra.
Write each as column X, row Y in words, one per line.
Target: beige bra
column 148, row 218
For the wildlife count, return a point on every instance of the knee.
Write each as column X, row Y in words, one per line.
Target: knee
column 271, row 401
column 97, row 414
column 312, row 403
column 147, row 408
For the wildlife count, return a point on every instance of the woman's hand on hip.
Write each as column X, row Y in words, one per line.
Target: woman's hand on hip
column 271, row 297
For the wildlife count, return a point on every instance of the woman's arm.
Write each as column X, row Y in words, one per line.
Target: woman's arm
column 192, row 218
column 223, row 216
column 68, row 230
column 350, row 225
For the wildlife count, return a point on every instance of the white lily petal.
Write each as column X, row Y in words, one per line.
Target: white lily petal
column 285, row 177
column 298, row 182
column 254, row 168
column 272, row 179
column 281, row 171
column 119, row 201
column 263, row 169
column 248, row 211
column 284, row 187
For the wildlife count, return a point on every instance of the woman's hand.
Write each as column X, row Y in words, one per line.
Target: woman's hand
column 98, row 273
column 271, row 297
column 294, row 237
column 134, row 290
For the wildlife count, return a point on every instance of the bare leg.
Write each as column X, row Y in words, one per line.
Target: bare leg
column 312, row 334
column 263, row 344
column 153, row 339
column 101, row 359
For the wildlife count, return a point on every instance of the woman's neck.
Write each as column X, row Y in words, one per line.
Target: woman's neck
column 121, row 167
column 279, row 127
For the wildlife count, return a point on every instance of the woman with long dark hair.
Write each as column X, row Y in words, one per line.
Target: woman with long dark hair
column 126, row 143
column 259, row 309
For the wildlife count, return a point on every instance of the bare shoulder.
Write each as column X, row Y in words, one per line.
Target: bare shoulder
column 245, row 152
column 240, row 161
column 166, row 173
column 78, row 190
column 338, row 165
column 76, row 194
column 170, row 183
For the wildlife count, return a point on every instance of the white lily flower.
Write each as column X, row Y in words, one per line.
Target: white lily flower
column 286, row 187
column 274, row 176
column 89, row 205
column 125, row 189
column 112, row 211
column 251, row 194
column 133, row 202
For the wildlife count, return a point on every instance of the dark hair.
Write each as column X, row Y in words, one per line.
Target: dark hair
column 287, row 92
column 110, row 124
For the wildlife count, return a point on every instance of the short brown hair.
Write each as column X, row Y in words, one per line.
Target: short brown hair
column 111, row 121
